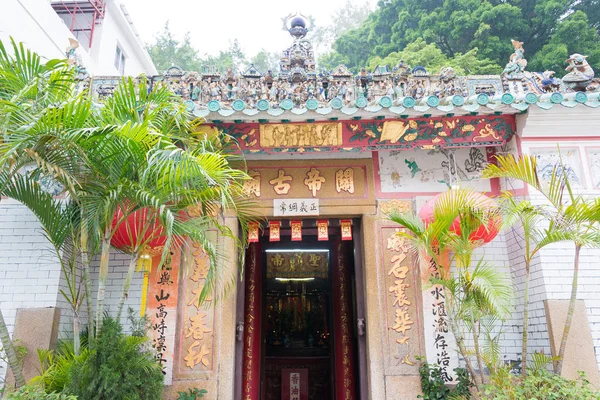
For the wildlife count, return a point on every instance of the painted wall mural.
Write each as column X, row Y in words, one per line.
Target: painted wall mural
column 548, row 157
column 432, row 171
column 593, row 156
column 359, row 135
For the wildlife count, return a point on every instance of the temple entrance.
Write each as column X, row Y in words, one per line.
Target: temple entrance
column 303, row 344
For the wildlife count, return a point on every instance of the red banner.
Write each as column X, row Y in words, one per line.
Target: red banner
column 252, row 324
column 345, row 382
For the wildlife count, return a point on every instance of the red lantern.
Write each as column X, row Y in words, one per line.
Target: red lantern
column 483, row 234
column 141, row 222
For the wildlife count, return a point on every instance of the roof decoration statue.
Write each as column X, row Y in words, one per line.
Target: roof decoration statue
column 517, row 62
column 580, row 73
column 296, row 88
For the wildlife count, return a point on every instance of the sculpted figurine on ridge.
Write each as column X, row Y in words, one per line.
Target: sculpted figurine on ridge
column 580, row 73
column 517, row 62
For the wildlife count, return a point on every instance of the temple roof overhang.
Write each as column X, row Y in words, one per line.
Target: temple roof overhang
column 407, row 107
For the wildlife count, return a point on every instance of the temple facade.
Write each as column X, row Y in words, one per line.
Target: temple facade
column 330, row 303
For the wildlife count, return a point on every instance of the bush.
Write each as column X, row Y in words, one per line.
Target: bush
column 117, row 368
column 539, row 384
column 191, row 394
column 434, row 388
column 31, row 392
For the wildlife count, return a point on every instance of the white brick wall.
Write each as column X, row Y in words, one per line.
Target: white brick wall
column 556, row 272
column 29, row 270
column 31, row 277
column 119, row 263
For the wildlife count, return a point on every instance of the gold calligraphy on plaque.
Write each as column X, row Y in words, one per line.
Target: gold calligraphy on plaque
column 196, row 356
column 252, row 185
column 314, row 180
column 298, row 265
column 402, row 319
column 197, row 328
column 344, row 180
column 301, row 135
column 280, row 185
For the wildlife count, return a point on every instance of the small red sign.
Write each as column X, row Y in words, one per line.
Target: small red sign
column 294, row 384
column 274, row 231
column 323, row 229
column 296, row 230
column 346, row 227
column 253, row 232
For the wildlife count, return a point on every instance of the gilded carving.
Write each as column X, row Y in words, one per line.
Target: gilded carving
column 344, row 180
column 403, row 206
column 301, row 135
column 280, row 184
column 314, row 180
column 393, row 131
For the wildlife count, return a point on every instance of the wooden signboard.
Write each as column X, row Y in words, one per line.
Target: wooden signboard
column 294, row 384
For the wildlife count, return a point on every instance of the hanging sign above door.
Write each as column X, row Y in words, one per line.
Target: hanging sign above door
column 295, row 207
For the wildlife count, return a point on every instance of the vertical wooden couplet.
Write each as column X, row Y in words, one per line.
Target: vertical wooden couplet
column 345, row 382
column 252, row 324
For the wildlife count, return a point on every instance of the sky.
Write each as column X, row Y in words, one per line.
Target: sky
column 214, row 24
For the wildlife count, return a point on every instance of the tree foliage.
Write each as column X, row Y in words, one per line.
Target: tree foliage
column 167, row 51
column 550, row 30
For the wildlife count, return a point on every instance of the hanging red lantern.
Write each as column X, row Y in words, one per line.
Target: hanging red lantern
column 483, row 234
column 140, row 229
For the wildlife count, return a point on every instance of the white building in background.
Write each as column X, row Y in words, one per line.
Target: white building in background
column 109, row 44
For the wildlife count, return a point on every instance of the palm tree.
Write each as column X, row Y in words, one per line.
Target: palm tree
column 558, row 220
column 474, row 293
column 135, row 151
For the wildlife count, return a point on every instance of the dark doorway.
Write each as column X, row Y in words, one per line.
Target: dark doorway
column 298, row 310
column 308, row 319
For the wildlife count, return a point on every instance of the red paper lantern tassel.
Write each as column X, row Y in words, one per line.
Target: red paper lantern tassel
column 253, row 232
column 296, row 230
column 274, row 231
column 346, row 227
column 323, row 229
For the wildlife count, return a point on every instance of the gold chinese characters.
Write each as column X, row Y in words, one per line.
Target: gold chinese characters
column 295, row 181
column 280, row 185
column 314, row 180
column 399, row 271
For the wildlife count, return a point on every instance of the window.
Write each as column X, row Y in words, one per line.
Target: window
column 120, row 60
